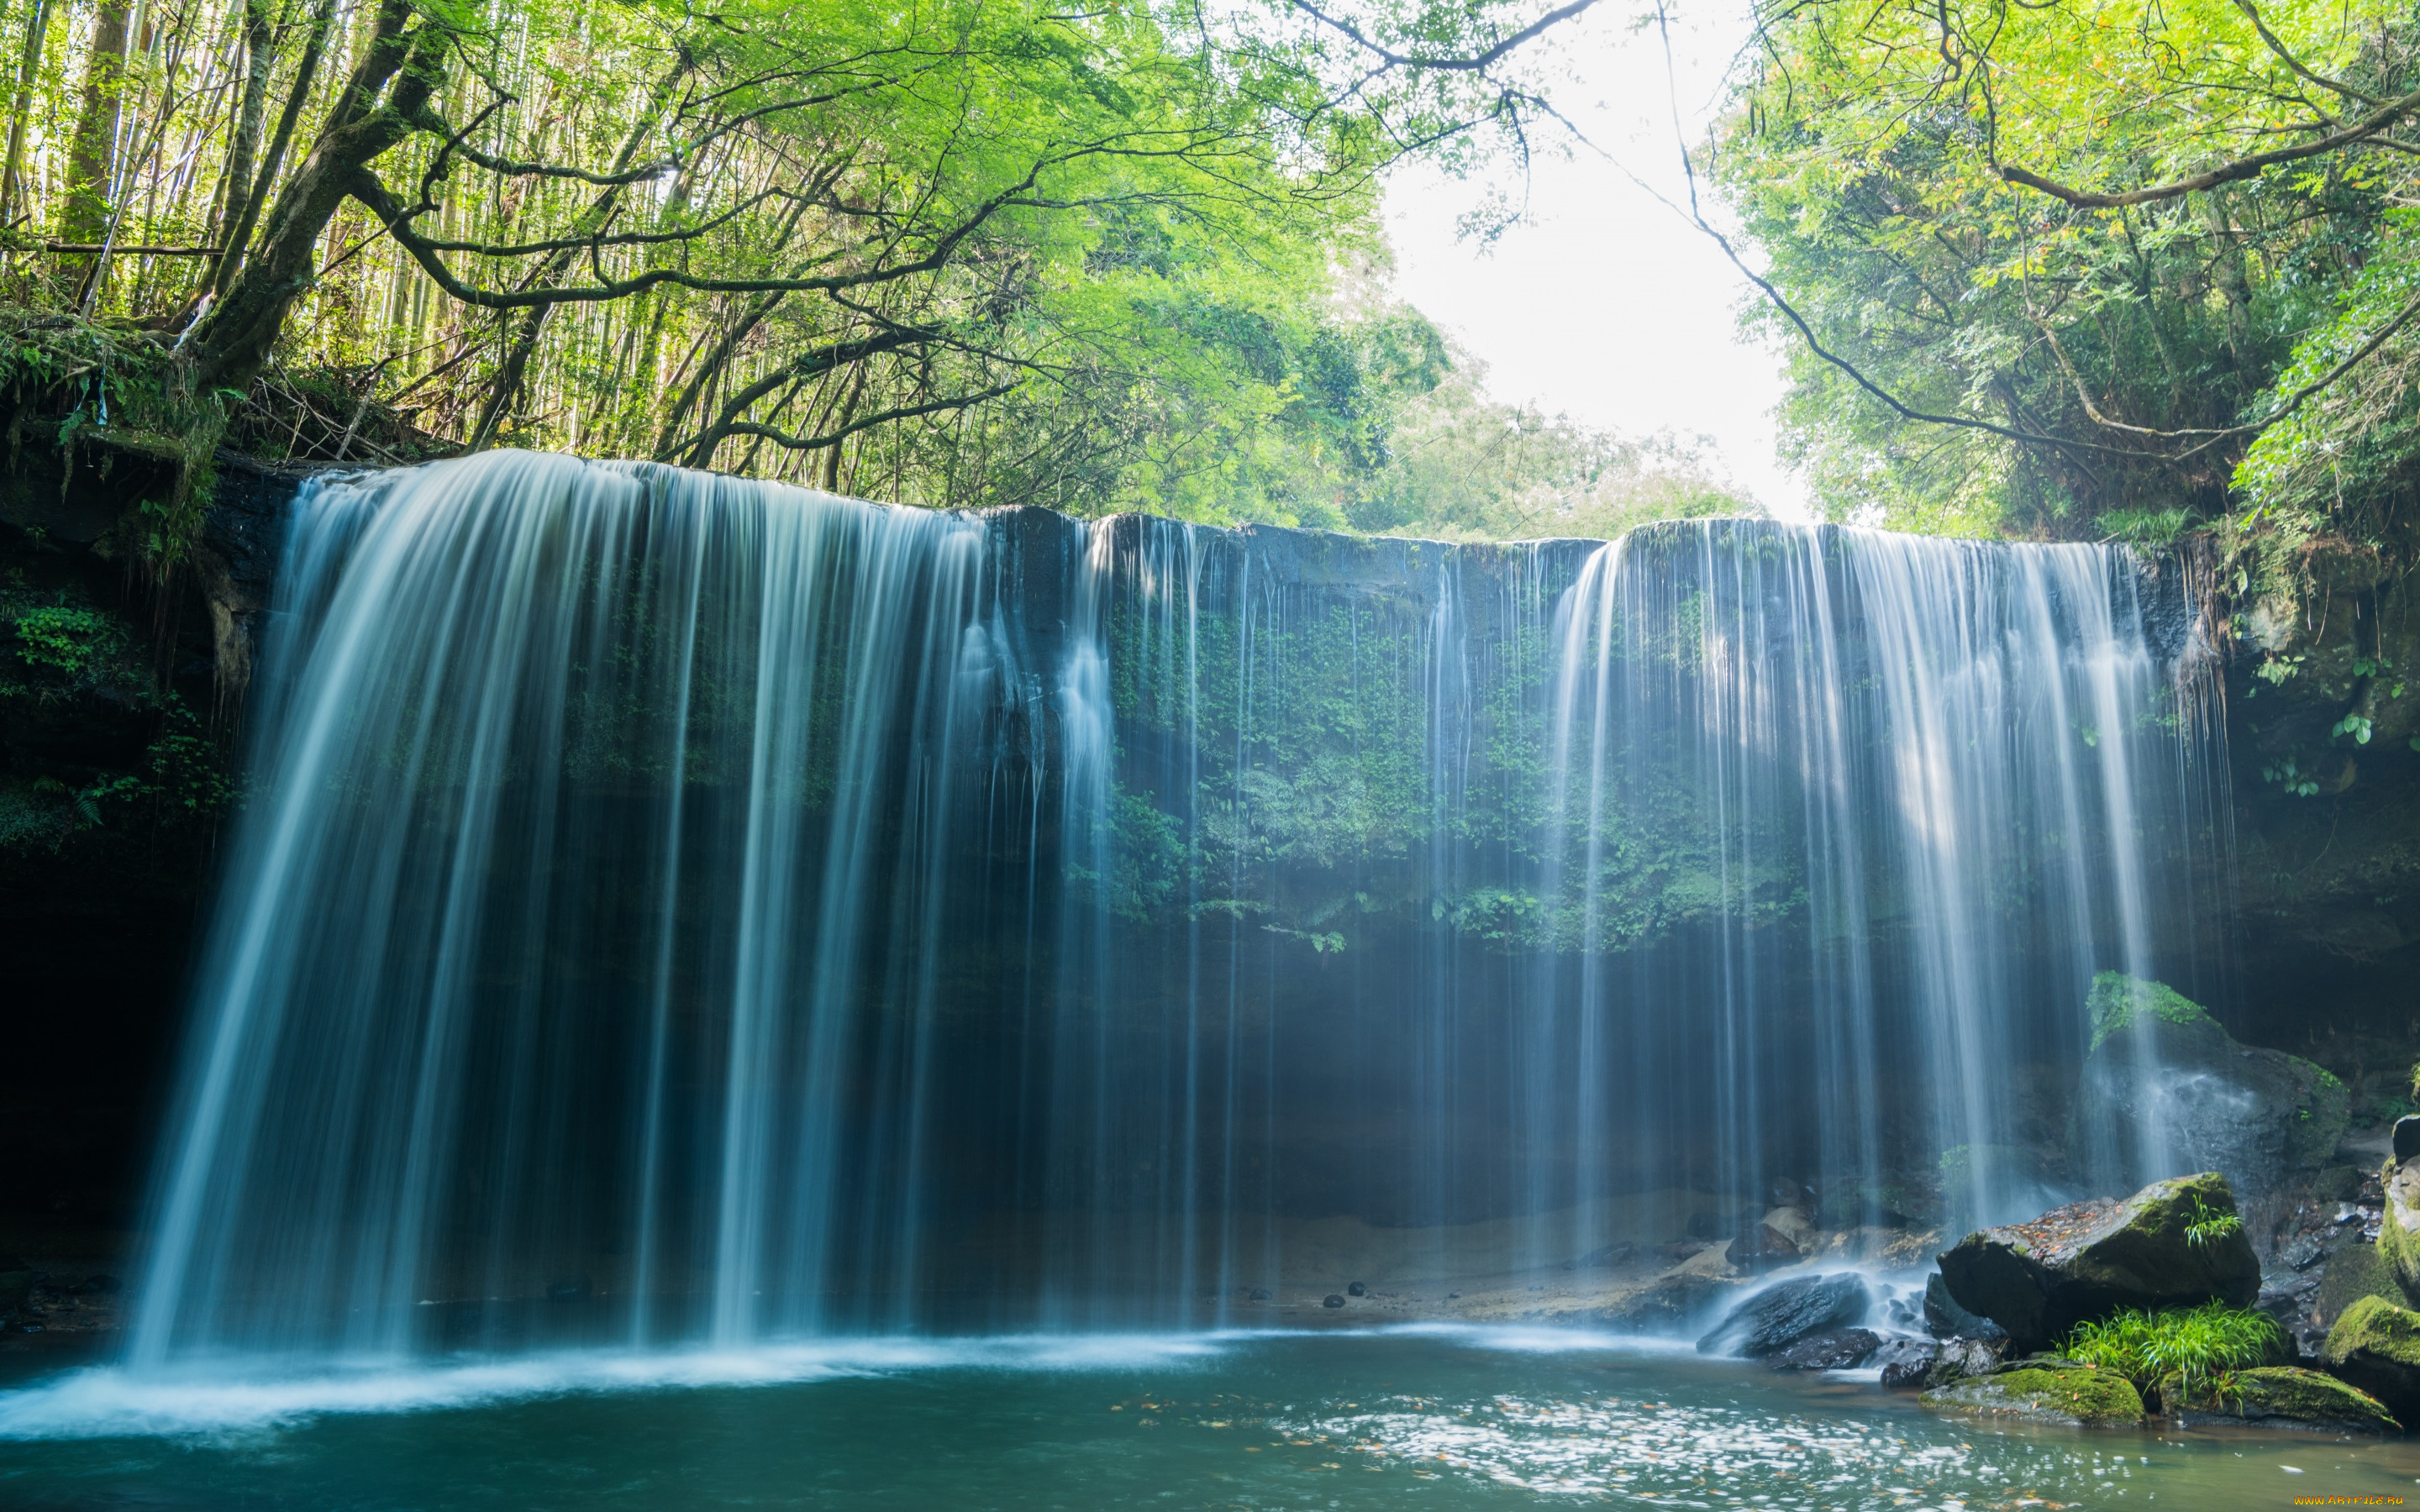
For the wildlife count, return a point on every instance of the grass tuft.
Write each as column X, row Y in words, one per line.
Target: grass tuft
column 2193, row 1350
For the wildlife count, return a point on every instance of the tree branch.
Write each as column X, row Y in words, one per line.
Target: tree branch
column 2369, row 126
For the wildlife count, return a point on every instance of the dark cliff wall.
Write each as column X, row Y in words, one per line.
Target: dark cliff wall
column 2324, row 713
column 120, row 706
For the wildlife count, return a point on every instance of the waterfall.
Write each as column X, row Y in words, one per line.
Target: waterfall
column 674, row 910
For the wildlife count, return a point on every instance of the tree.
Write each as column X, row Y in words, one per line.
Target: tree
column 2062, row 268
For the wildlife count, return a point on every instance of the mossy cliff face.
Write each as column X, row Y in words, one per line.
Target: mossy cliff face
column 2323, row 708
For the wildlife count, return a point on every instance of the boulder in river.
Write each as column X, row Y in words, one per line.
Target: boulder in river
column 1764, row 1247
column 1949, row 1321
column 1835, row 1348
column 2173, row 1243
column 2159, row 1063
column 1779, row 1317
column 2044, row 1391
column 2376, row 1347
column 2285, row 1397
column 1906, row 1363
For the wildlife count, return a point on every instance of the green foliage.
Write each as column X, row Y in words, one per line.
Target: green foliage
column 2207, row 1228
column 1889, row 160
column 68, row 641
column 2197, row 1348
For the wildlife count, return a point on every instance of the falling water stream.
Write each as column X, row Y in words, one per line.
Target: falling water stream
column 683, row 918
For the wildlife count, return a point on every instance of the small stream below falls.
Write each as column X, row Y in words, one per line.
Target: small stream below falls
column 1402, row 1418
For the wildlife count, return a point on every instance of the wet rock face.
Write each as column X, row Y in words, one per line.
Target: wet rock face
column 2170, row 1244
column 2285, row 1396
column 1835, row 1348
column 2375, row 1347
column 1907, row 1363
column 1775, row 1320
column 2166, row 1088
column 1949, row 1321
column 2044, row 1391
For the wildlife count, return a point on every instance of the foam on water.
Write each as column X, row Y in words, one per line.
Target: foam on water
column 233, row 1398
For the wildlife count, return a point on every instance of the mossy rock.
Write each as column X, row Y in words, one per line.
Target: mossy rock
column 2120, row 1004
column 2044, row 1391
column 2285, row 1396
column 2376, row 1347
column 2398, row 1228
column 2265, row 1118
column 2353, row 1272
column 2085, row 1260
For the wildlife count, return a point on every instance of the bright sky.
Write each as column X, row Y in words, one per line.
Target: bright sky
column 1605, row 304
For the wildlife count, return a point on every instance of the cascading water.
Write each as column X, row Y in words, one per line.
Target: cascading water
column 749, row 913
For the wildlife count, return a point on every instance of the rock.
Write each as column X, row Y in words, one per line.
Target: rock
column 570, row 1288
column 1837, row 1349
column 1262, row 1294
column 95, row 1285
column 2038, row 1279
column 2337, row 1184
column 1669, row 1305
column 1764, row 1248
column 2406, row 1137
column 2044, row 1391
column 1949, row 1321
column 2260, row 1118
column 2285, row 1396
column 1906, row 1363
column 1331, row 1300
column 2376, row 1347
column 1606, row 1259
column 1357, row 1290
column 1779, row 1317
column 2399, row 1228
column 2303, row 1251
column 2354, row 1271
column 1961, row 1358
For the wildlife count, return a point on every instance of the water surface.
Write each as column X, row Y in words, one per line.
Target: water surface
column 1428, row 1419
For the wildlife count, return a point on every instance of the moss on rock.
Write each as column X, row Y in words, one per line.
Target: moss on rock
column 2285, row 1396
column 2353, row 1272
column 2376, row 1347
column 2044, row 1391
column 2169, row 1245
column 2398, row 1228
column 2119, row 1002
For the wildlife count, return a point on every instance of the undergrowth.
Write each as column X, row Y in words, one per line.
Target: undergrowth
column 2193, row 1351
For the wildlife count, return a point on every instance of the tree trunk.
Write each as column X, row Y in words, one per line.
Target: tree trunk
column 235, row 339
column 253, row 199
column 28, row 68
column 92, row 150
column 260, row 57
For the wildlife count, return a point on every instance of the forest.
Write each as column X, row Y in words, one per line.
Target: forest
column 2066, row 271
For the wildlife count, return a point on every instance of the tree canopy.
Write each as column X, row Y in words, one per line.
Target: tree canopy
column 2089, row 268
column 954, row 254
